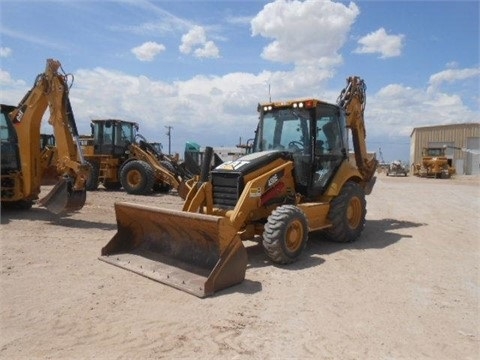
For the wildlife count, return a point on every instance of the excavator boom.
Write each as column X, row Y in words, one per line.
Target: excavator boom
column 50, row 90
column 353, row 99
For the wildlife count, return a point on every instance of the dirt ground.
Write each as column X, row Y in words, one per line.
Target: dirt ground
column 409, row 288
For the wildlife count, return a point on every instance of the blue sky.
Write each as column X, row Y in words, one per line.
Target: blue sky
column 203, row 66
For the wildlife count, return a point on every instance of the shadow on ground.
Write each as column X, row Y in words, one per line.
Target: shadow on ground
column 378, row 234
column 42, row 214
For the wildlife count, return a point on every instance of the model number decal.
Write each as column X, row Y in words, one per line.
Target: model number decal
column 275, row 178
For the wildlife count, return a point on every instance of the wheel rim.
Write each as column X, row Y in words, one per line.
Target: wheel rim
column 294, row 236
column 354, row 212
column 133, row 178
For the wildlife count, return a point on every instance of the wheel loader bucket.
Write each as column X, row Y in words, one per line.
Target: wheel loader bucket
column 62, row 198
column 196, row 253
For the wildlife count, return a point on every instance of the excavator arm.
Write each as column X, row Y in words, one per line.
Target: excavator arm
column 353, row 100
column 51, row 90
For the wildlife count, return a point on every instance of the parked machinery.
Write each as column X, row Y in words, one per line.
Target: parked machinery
column 434, row 164
column 297, row 179
column 397, row 168
column 23, row 165
column 120, row 157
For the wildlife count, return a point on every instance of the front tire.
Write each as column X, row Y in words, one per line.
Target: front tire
column 347, row 214
column 285, row 234
column 137, row 177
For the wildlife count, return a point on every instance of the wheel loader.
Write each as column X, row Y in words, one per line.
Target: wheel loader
column 298, row 179
column 120, row 157
column 23, row 164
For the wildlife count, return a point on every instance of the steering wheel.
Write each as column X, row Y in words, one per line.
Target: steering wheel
column 295, row 145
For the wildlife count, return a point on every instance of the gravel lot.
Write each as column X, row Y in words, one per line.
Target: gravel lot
column 409, row 288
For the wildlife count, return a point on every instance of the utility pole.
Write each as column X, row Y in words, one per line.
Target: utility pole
column 169, row 134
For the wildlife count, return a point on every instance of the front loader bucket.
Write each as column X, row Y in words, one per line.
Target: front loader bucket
column 62, row 198
column 193, row 252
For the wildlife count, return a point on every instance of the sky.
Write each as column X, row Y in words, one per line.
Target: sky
column 200, row 68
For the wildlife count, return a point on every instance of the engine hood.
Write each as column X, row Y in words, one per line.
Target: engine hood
column 251, row 162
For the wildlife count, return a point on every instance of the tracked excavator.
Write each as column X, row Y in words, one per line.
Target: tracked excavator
column 22, row 162
column 298, row 179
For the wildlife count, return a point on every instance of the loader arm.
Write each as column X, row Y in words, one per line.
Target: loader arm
column 353, row 100
column 50, row 90
column 168, row 175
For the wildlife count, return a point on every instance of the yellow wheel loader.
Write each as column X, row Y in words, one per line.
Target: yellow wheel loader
column 23, row 163
column 297, row 179
column 120, row 157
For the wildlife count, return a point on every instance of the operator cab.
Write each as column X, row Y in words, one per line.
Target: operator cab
column 112, row 137
column 9, row 149
column 313, row 132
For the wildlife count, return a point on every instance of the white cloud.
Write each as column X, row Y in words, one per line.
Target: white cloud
column 452, row 75
column 380, row 42
column 148, row 50
column 397, row 109
column 209, row 50
column 304, row 32
column 228, row 103
column 5, row 52
column 196, row 40
column 12, row 90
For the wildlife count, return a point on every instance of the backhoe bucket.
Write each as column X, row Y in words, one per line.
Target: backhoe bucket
column 193, row 252
column 62, row 198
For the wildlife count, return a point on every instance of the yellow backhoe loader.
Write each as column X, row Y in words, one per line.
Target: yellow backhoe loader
column 297, row 179
column 23, row 165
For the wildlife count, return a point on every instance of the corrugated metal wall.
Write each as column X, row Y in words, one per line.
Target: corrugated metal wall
column 457, row 134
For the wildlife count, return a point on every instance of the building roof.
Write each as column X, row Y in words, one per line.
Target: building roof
column 433, row 127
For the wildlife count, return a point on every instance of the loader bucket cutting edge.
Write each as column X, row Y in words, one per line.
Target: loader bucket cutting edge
column 62, row 198
column 196, row 253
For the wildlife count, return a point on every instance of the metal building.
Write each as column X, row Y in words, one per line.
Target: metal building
column 462, row 142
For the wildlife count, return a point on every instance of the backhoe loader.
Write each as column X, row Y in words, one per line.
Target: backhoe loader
column 120, row 157
column 22, row 163
column 298, row 179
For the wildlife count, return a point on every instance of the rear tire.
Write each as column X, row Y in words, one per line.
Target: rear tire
column 137, row 177
column 347, row 214
column 285, row 234
column 92, row 182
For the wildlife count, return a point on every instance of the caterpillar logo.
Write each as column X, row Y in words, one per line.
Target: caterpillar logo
column 19, row 115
